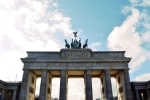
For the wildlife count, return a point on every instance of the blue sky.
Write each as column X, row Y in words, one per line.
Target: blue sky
column 97, row 21
column 42, row 25
column 98, row 17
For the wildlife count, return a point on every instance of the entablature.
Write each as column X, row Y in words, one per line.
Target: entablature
column 76, row 54
column 76, row 65
column 76, row 59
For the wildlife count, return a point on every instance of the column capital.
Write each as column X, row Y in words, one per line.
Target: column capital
column 14, row 89
column 126, row 69
column 44, row 70
column 64, row 73
column 26, row 70
column 107, row 71
column 88, row 72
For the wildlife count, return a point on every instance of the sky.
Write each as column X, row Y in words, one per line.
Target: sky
column 42, row 25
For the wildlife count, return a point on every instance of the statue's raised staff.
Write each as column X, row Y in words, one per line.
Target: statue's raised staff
column 85, row 45
column 67, row 45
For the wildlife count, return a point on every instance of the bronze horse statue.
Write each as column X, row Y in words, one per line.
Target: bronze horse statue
column 85, row 45
column 67, row 45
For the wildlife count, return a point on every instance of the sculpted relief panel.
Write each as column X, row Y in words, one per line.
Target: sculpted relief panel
column 75, row 54
column 76, row 65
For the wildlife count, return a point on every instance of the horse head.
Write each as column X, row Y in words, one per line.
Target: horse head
column 85, row 45
column 67, row 45
column 65, row 40
column 86, row 40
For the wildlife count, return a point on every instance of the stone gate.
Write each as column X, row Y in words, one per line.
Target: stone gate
column 76, row 63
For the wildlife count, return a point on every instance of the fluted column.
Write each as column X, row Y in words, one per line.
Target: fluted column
column 108, row 85
column 3, row 94
column 24, row 84
column 129, row 95
column 14, row 95
column 148, row 94
column 137, row 94
column 43, row 85
column 63, row 85
column 88, row 85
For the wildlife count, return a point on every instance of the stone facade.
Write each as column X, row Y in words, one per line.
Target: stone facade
column 70, row 63
column 9, row 90
column 141, row 90
column 75, row 63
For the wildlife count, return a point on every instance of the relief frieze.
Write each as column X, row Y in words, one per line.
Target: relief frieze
column 75, row 54
column 74, row 65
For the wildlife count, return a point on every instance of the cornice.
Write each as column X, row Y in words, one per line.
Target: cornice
column 76, row 61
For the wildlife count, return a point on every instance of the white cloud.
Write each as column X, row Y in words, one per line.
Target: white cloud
column 126, row 9
column 28, row 25
column 143, row 77
column 135, row 1
column 76, row 89
column 95, row 45
column 146, row 37
column 127, row 38
column 144, row 3
column 55, row 4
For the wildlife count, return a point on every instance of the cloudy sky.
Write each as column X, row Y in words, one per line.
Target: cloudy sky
column 42, row 25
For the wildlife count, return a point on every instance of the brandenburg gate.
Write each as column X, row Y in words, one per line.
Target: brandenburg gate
column 76, row 61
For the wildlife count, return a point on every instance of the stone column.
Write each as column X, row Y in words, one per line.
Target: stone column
column 43, row 89
column 3, row 94
column 14, row 95
column 24, row 83
column 140, row 95
column 108, row 86
column 63, row 85
column 129, row 95
column 148, row 94
column 145, row 94
column 137, row 94
column 88, row 85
